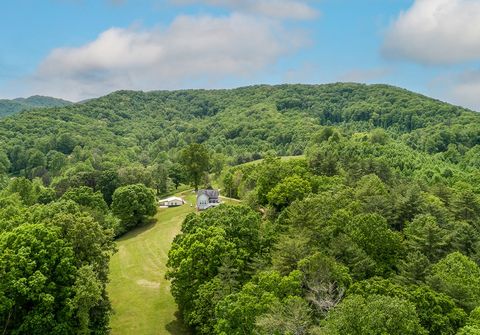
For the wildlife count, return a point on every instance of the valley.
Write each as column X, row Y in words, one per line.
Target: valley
column 140, row 294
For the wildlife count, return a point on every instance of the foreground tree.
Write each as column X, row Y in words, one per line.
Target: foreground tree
column 209, row 259
column 92, row 244
column 37, row 275
column 459, row 277
column 473, row 324
column 374, row 315
column 436, row 312
column 193, row 260
column 291, row 317
column 263, row 295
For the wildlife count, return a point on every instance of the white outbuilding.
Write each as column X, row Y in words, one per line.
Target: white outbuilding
column 171, row 202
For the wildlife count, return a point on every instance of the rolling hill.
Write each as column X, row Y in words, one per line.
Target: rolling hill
column 8, row 107
column 243, row 124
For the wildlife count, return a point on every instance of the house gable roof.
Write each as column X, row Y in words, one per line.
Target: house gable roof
column 211, row 194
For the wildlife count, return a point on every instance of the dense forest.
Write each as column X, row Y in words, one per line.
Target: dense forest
column 8, row 107
column 364, row 235
column 374, row 228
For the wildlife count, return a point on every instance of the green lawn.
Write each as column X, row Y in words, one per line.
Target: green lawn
column 140, row 295
column 283, row 158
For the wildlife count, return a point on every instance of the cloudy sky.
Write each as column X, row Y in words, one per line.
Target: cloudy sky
column 79, row 49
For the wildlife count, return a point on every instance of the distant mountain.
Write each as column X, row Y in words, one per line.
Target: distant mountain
column 243, row 124
column 8, row 107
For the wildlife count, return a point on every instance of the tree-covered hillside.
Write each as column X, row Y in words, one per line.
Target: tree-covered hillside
column 244, row 123
column 363, row 235
column 8, row 107
column 137, row 137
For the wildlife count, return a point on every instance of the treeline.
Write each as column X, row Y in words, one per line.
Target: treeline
column 364, row 235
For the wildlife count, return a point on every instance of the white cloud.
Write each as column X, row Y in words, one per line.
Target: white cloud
column 281, row 9
column 464, row 89
column 458, row 87
column 436, row 32
column 201, row 49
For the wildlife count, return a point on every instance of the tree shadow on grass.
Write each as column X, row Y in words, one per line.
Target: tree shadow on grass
column 177, row 326
column 149, row 224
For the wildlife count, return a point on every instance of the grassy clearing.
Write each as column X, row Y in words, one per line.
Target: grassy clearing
column 139, row 293
column 283, row 158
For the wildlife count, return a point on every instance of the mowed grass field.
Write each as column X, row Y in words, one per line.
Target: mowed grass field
column 140, row 295
column 283, row 158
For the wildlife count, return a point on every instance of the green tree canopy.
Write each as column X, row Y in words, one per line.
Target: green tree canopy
column 373, row 315
column 237, row 313
column 196, row 161
column 37, row 273
column 288, row 190
column 459, row 277
column 133, row 204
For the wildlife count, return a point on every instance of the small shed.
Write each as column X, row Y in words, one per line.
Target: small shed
column 171, row 202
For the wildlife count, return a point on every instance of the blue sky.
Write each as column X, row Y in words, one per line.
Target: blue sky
column 78, row 49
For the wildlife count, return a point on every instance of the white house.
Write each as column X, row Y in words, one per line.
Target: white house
column 171, row 202
column 207, row 199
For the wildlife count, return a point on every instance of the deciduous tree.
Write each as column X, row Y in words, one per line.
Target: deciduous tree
column 133, row 204
column 196, row 160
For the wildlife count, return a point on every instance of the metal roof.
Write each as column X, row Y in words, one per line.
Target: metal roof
column 212, row 194
column 170, row 199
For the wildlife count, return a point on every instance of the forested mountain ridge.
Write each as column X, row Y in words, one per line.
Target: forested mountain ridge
column 140, row 134
column 13, row 106
column 242, row 123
